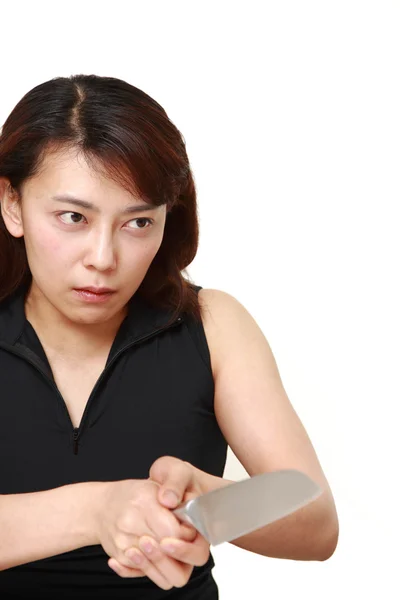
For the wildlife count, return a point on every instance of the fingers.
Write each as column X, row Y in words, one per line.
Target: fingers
column 148, row 560
column 187, row 533
column 168, row 564
column 195, row 553
column 122, row 570
column 160, row 522
column 144, row 568
column 177, row 574
column 174, row 476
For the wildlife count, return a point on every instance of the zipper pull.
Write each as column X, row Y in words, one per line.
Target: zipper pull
column 75, row 439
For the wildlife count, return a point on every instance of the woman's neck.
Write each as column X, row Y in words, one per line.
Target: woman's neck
column 67, row 338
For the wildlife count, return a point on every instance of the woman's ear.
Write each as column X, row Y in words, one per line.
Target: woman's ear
column 11, row 208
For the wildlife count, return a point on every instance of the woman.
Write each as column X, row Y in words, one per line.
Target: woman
column 122, row 382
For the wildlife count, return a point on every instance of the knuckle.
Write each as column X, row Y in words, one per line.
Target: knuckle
column 166, row 525
column 184, row 470
column 120, row 541
column 147, row 492
column 159, row 465
column 165, row 464
column 187, row 466
column 125, row 521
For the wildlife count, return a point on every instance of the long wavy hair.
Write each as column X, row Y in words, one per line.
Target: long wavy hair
column 128, row 135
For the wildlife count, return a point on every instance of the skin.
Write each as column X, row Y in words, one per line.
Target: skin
column 72, row 247
column 101, row 247
column 107, row 248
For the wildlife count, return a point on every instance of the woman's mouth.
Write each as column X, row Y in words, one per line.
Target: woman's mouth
column 94, row 295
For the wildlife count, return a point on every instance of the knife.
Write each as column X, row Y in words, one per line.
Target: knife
column 243, row 506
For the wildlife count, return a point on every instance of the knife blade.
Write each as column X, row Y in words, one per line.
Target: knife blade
column 227, row 513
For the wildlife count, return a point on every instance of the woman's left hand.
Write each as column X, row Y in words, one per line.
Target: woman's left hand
column 169, row 560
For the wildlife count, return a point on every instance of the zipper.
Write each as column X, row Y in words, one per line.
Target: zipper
column 77, row 431
column 75, row 440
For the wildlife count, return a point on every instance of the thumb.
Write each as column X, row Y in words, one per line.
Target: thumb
column 174, row 477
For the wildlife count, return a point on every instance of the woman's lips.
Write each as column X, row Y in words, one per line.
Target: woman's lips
column 87, row 295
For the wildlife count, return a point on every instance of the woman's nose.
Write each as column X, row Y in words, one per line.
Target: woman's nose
column 101, row 252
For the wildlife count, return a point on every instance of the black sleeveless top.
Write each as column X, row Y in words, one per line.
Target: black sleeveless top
column 155, row 397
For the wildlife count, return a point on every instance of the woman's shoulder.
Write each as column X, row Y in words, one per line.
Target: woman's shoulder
column 226, row 322
column 220, row 305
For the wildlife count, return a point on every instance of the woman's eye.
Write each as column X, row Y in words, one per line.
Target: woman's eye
column 74, row 218
column 70, row 218
column 140, row 221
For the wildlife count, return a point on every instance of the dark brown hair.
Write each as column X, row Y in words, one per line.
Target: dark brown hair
column 128, row 135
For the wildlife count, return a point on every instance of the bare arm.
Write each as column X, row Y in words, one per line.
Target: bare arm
column 308, row 534
column 41, row 524
column 263, row 429
column 113, row 514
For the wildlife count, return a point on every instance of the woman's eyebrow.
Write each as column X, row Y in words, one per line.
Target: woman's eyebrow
column 134, row 208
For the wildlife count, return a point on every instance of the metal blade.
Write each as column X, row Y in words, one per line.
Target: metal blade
column 241, row 507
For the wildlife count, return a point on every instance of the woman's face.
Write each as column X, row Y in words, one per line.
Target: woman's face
column 102, row 237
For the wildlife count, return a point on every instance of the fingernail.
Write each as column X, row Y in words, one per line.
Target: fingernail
column 147, row 546
column 134, row 556
column 170, row 497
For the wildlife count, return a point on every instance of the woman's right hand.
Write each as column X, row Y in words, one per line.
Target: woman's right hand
column 129, row 509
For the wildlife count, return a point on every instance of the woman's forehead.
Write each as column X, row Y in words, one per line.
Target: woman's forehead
column 68, row 172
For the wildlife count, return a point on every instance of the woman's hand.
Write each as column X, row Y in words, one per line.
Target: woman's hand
column 169, row 561
column 127, row 511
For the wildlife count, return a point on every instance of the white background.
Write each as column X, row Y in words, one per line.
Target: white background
column 290, row 112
